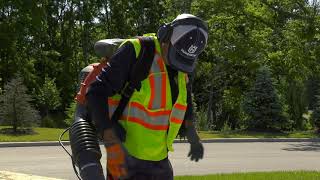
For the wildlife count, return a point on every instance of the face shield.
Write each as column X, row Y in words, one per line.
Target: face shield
column 185, row 45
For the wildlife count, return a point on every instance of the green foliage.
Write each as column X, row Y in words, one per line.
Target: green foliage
column 262, row 105
column 48, row 97
column 55, row 39
column 232, row 109
column 0, row 85
column 312, row 87
column 53, row 120
column 296, row 100
column 47, row 121
column 202, row 124
column 16, row 109
column 70, row 113
column 315, row 117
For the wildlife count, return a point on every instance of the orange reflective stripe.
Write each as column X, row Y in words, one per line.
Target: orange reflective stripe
column 151, row 79
column 113, row 102
column 161, row 66
column 180, row 107
column 150, row 113
column 146, row 125
column 141, row 107
column 176, row 120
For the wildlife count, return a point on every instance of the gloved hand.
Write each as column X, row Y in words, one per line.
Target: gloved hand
column 196, row 147
column 117, row 161
column 116, row 155
column 196, row 151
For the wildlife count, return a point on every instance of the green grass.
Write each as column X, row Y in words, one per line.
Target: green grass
column 42, row 134
column 248, row 134
column 293, row 175
column 52, row 134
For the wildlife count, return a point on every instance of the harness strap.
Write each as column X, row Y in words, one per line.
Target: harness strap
column 139, row 72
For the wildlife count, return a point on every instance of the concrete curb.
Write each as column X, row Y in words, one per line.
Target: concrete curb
column 32, row 144
column 216, row 140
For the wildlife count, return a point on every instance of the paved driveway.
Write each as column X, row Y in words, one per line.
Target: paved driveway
column 219, row 158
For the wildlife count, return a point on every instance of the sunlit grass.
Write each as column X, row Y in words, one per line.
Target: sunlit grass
column 287, row 175
column 52, row 134
column 41, row 134
column 250, row 134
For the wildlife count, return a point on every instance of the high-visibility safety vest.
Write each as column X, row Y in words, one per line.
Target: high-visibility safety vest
column 150, row 119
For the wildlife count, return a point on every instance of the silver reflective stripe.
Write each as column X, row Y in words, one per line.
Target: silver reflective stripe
column 177, row 113
column 89, row 165
column 113, row 108
column 152, row 120
column 158, row 79
column 155, row 67
column 156, row 102
column 159, row 119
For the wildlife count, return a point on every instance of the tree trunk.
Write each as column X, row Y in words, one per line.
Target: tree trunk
column 209, row 110
column 108, row 24
column 85, row 35
column 14, row 120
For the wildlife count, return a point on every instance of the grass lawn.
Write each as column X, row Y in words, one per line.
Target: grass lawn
column 247, row 134
column 52, row 134
column 42, row 134
column 293, row 175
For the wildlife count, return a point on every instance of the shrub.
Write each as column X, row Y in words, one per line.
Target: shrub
column 70, row 113
column 262, row 104
column 16, row 109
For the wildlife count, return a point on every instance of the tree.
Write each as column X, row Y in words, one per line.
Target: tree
column 16, row 109
column 296, row 101
column 315, row 117
column 0, row 85
column 313, row 84
column 55, row 38
column 48, row 97
column 262, row 106
column 70, row 113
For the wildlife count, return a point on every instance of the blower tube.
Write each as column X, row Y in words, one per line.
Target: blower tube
column 85, row 149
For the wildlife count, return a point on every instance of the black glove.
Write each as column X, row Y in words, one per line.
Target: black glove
column 196, row 151
column 196, row 147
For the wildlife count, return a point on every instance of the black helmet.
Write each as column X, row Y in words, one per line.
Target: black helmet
column 187, row 36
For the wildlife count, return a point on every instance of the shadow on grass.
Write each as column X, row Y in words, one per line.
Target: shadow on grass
column 255, row 134
column 307, row 146
column 19, row 132
column 245, row 133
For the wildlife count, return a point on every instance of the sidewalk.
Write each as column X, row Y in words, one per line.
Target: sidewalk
column 20, row 176
column 215, row 140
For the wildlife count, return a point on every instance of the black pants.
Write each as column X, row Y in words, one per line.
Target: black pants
column 148, row 170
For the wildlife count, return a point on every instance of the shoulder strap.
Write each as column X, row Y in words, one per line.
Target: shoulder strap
column 139, row 72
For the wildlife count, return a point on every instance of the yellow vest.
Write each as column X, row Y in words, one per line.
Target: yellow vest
column 150, row 119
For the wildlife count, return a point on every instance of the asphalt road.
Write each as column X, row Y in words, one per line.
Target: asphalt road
column 219, row 158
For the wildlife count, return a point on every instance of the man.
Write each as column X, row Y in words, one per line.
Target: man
column 157, row 109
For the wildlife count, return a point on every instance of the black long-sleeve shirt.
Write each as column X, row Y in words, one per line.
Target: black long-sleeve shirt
column 113, row 78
